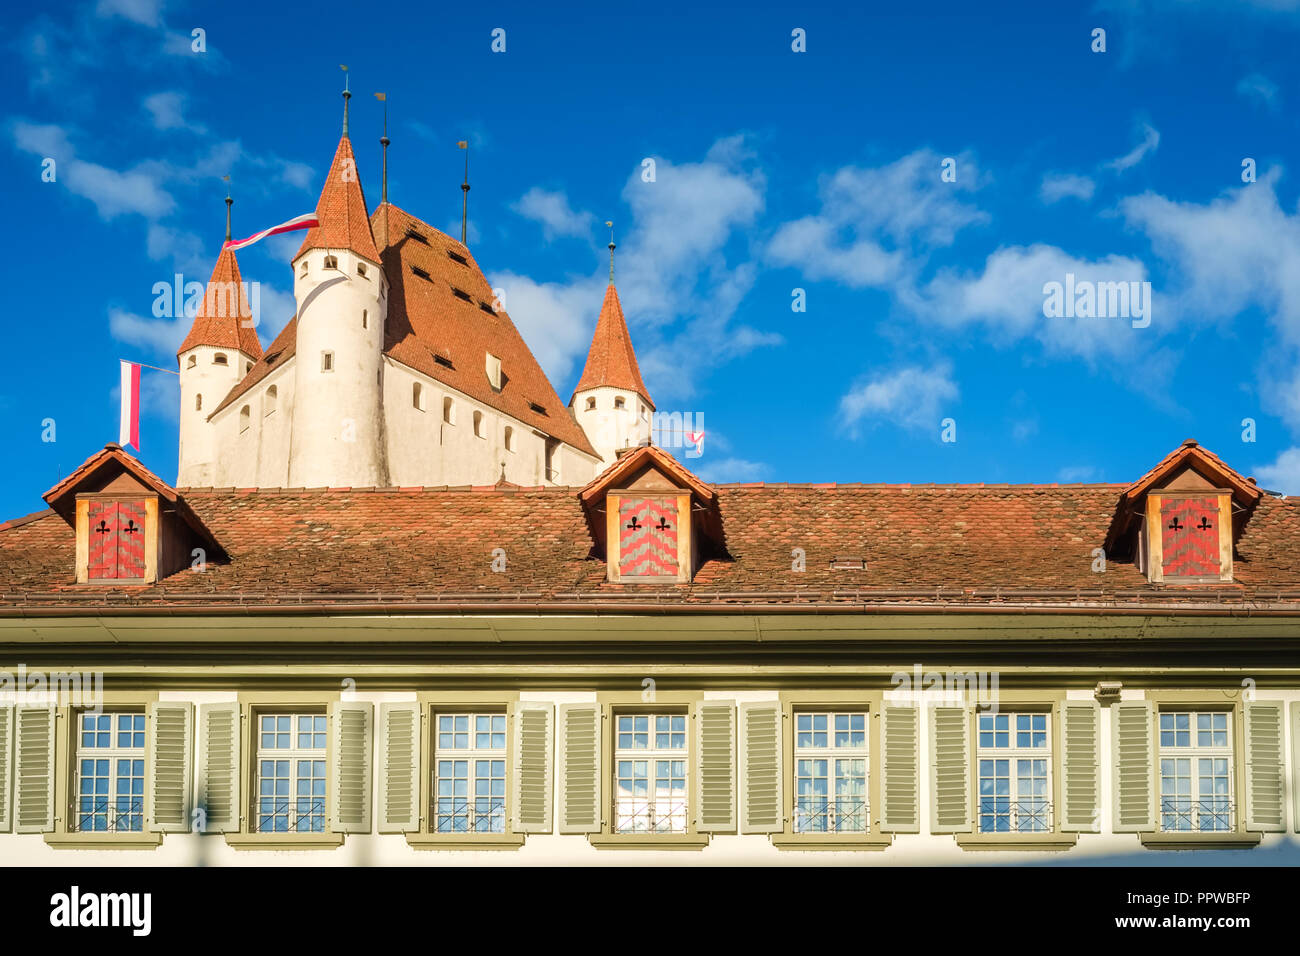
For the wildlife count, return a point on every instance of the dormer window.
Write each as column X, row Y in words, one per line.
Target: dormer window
column 220, row 359
column 494, row 371
column 331, row 262
column 1185, row 537
column 648, row 537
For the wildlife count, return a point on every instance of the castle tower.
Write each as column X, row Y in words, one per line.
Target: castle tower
column 221, row 347
column 611, row 403
column 342, row 296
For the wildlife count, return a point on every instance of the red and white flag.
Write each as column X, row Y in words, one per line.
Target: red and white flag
column 305, row 221
column 129, row 431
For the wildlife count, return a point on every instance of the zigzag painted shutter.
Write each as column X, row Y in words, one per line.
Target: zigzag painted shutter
column 116, row 540
column 647, row 537
column 1189, row 535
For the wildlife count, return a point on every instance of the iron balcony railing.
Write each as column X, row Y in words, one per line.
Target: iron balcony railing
column 663, row 817
column 289, row 815
column 470, row 819
column 1185, row 814
column 830, row 816
column 1004, row 815
column 111, row 815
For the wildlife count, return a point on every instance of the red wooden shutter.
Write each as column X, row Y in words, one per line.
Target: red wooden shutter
column 647, row 537
column 116, row 547
column 1189, row 534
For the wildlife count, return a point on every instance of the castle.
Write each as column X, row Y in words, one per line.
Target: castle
column 398, row 369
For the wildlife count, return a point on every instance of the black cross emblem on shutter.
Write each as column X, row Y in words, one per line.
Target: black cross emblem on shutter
column 1175, row 526
column 1204, row 525
column 633, row 526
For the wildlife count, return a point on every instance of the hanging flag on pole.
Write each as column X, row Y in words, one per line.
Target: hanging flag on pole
column 129, row 430
column 305, row 221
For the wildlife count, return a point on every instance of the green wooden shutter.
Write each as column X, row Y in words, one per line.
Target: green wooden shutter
column 579, row 772
column 1295, row 760
column 217, row 794
column 34, row 770
column 1265, row 800
column 1080, row 767
column 900, row 770
column 1134, row 788
column 533, row 744
column 950, row 786
column 715, row 777
column 170, row 734
column 760, row 768
column 399, row 768
column 6, row 762
column 352, row 725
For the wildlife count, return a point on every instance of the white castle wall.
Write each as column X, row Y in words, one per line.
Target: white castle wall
column 609, row 429
column 199, row 448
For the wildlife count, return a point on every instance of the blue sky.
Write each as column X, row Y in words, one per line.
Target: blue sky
column 775, row 170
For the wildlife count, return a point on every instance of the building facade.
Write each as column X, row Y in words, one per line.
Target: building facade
column 650, row 668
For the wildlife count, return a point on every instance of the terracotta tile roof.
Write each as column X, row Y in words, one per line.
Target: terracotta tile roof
column 956, row 546
column 447, row 309
column 281, row 350
column 221, row 322
column 1192, row 453
column 611, row 359
column 341, row 210
column 111, row 457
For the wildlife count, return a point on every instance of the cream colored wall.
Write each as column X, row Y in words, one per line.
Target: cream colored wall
column 609, row 429
column 541, row 849
column 258, row 457
column 338, row 421
column 199, row 459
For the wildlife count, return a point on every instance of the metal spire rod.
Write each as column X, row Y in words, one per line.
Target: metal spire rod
column 347, row 95
column 612, row 247
column 464, row 188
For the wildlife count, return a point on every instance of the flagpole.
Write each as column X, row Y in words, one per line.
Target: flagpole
column 154, row 367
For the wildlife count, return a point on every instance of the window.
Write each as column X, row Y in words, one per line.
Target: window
column 1014, row 757
column 420, row 272
column 248, row 367
column 116, row 546
column 443, row 361
column 417, row 395
column 220, row 359
column 290, row 784
column 538, row 408
column 110, row 773
column 469, row 780
column 194, row 360
column 591, row 403
column 361, row 269
column 644, row 415
column 303, row 270
column 198, row 402
column 1189, row 532
column 461, row 294
column 327, row 361
column 331, row 262
column 245, row 418
column 493, row 367
column 478, row 425
column 448, row 410
column 365, row 319
column 830, row 772
column 650, row 773
column 272, row 397
column 412, row 234
column 618, row 401
column 551, row 447
column 510, row 438
column 457, row 257
column 1195, row 771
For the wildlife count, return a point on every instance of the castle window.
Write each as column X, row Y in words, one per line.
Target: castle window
column 618, row 401
column 365, row 319
column 494, row 371
column 510, row 438
column 194, row 360
column 327, row 361
column 478, row 425
column 461, row 294
column 303, row 270
column 116, row 546
column 412, row 234
column 417, row 395
column 198, row 402
column 591, row 403
column 443, row 361
column 486, row 308
column 245, row 417
column 420, row 272
column 331, row 262
column 271, row 397
column 220, row 359
column 248, row 367
column 539, row 409
column 457, row 257
column 448, row 411
column 361, row 269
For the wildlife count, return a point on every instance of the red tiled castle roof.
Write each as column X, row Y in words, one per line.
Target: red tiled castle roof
column 611, row 360
column 224, row 317
column 344, row 222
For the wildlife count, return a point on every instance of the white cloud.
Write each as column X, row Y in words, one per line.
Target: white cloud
column 726, row 469
column 167, row 111
column 1058, row 186
column 1150, row 140
column 1260, row 89
column 1007, row 297
column 552, row 210
column 147, row 13
column 1074, row 474
column 876, row 223
column 182, row 248
column 912, row 397
column 1283, row 475
column 159, row 335
column 555, row 319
